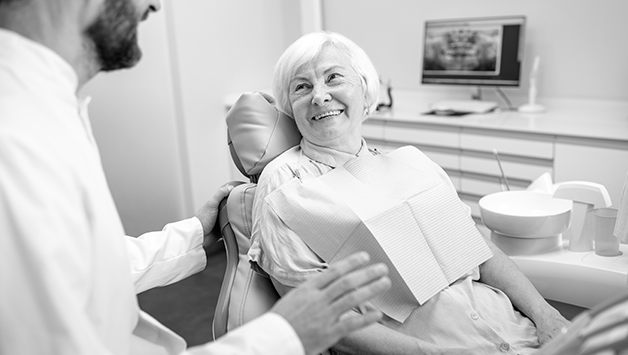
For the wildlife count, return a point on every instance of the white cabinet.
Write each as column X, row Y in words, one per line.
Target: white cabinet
column 373, row 131
column 508, row 143
column 523, row 158
column 467, row 154
column 422, row 135
column 604, row 165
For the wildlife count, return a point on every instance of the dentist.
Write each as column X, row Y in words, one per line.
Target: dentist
column 69, row 274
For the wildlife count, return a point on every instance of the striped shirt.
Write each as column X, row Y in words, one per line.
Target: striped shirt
column 467, row 314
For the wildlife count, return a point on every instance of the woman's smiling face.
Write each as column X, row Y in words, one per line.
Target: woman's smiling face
column 328, row 101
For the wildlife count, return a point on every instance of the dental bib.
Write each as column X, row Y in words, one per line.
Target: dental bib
column 397, row 208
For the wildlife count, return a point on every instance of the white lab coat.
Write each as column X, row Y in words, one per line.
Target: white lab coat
column 68, row 274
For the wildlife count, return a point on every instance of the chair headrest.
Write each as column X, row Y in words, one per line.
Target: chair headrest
column 258, row 133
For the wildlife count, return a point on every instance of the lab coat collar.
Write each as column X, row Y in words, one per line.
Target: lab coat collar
column 38, row 66
column 44, row 72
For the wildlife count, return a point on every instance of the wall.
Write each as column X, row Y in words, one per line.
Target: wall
column 223, row 47
column 160, row 126
column 133, row 119
column 581, row 43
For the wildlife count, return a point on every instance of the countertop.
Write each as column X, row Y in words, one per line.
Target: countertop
column 607, row 120
column 583, row 279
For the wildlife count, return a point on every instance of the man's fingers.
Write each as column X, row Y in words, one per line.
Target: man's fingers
column 361, row 294
column 223, row 192
column 338, row 270
column 356, row 280
column 356, row 321
column 316, row 308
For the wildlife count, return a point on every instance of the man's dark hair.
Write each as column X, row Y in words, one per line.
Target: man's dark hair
column 9, row 2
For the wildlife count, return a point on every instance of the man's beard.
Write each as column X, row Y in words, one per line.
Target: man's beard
column 114, row 36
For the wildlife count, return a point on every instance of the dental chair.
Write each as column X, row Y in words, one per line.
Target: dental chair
column 257, row 133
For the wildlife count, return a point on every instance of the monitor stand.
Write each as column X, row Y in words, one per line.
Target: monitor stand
column 462, row 106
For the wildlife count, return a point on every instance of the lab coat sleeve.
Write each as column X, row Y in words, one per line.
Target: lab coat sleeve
column 268, row 334
column 162, row 258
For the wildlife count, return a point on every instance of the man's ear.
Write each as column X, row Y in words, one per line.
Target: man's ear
column 89, row 11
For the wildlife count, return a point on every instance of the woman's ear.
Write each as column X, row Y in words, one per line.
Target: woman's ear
column 366, row 114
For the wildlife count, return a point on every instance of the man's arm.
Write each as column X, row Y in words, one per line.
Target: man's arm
column 176, row 252
column 502, row 273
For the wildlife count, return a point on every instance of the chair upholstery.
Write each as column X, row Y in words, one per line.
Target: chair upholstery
column 257, row 134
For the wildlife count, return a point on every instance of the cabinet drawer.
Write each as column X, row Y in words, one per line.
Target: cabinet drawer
column 483, row 187
column 475, row 207
column 456, row 181
column 446, row 161
column 516, row 170
column 409, row 134
column 445, row 158
column 507, row 145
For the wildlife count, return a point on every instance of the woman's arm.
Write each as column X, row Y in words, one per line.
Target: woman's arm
column 502, row 273
column 378, row 339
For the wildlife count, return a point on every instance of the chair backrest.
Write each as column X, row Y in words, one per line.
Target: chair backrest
column 257, row 134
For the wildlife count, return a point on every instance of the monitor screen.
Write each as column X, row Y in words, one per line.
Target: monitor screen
column 474, row 51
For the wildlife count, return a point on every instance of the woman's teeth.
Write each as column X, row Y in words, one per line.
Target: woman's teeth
column 327, row 114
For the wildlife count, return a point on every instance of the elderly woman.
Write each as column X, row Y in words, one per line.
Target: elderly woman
column 329, row 86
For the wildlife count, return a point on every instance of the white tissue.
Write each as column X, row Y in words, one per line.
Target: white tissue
column 621, row 225
column 542, row 184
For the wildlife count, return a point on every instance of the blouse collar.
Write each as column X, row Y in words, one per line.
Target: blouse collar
column 329, row 156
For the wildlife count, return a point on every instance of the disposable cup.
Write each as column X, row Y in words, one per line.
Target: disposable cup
column 606, row 244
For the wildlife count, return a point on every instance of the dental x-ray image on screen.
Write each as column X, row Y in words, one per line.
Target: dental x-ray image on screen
column 481, row 51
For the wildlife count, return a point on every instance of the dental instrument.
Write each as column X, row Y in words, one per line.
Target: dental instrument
column 501, row 169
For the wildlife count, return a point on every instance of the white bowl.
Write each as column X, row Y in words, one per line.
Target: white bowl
column 525, row 214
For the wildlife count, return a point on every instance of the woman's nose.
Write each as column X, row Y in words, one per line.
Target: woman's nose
column 320, row 95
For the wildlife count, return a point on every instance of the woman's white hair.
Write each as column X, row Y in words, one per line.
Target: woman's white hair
column 306, row 49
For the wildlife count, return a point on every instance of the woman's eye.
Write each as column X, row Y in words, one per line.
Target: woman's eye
column 300, row 87
column 333, row 76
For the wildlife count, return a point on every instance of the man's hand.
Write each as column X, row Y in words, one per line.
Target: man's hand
column 208, row 213
column 316, row 308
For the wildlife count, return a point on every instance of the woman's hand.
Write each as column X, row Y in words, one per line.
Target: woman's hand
column 549, row 325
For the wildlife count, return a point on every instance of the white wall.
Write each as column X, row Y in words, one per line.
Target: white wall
column 133, row 119
column 223, row 47
column 160, row 126
column 582, row 43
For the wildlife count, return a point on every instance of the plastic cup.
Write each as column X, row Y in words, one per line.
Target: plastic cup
column 606, row 244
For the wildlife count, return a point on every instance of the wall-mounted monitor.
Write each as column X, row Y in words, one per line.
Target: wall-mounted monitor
column 474, row 51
